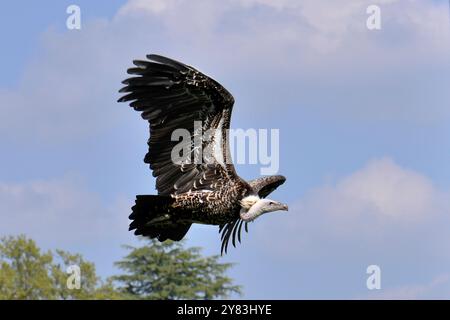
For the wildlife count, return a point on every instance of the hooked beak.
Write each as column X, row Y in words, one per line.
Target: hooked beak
column 284, row 207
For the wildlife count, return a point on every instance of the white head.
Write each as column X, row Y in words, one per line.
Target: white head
column 253, row 207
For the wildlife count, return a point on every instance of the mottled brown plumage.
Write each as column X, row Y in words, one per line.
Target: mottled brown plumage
column 171, row 96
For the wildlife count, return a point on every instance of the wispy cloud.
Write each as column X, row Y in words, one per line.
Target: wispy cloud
column 62, row 211
column 381, row 214
column 67, row 90
column 438, row 288
column 307, row 27
column 369, row 206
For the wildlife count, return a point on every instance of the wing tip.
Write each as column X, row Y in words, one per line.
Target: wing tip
column 167, row 61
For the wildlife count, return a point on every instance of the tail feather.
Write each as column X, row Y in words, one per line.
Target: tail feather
column 149, row 207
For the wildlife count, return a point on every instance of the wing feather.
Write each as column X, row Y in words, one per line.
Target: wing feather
column 231, row 230
column 172, row 95
column 265, row 185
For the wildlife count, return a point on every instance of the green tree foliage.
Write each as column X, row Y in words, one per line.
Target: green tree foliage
column 28, row 273
column 168, row 271
column 155, row 271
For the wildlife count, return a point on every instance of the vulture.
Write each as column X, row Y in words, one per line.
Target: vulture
column 172, row 95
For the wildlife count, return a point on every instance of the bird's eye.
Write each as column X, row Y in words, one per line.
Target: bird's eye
column 271, row 203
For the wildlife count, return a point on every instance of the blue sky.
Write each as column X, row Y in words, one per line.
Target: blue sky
column 364, row 124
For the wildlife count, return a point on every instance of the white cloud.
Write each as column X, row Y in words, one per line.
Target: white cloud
column 436, row 289
column 68, row 90
column 382, row 191
column 386, row 189
column 138, row 6
column 303, row 29
column 381, row 214
column 61, row 211
column 370, row 208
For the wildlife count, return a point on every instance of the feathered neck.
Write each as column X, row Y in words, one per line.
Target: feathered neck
column 248, row 202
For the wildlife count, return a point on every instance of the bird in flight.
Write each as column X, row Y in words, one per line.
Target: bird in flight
column 171, row 96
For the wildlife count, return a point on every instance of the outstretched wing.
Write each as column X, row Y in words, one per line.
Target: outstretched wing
column 266, row 185
column 171, row 96
column 263, row 187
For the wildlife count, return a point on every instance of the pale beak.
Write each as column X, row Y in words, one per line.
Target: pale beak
column 284, row 207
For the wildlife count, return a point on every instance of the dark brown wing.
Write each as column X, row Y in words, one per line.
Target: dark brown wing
column 171, row 96
column 266, row 185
